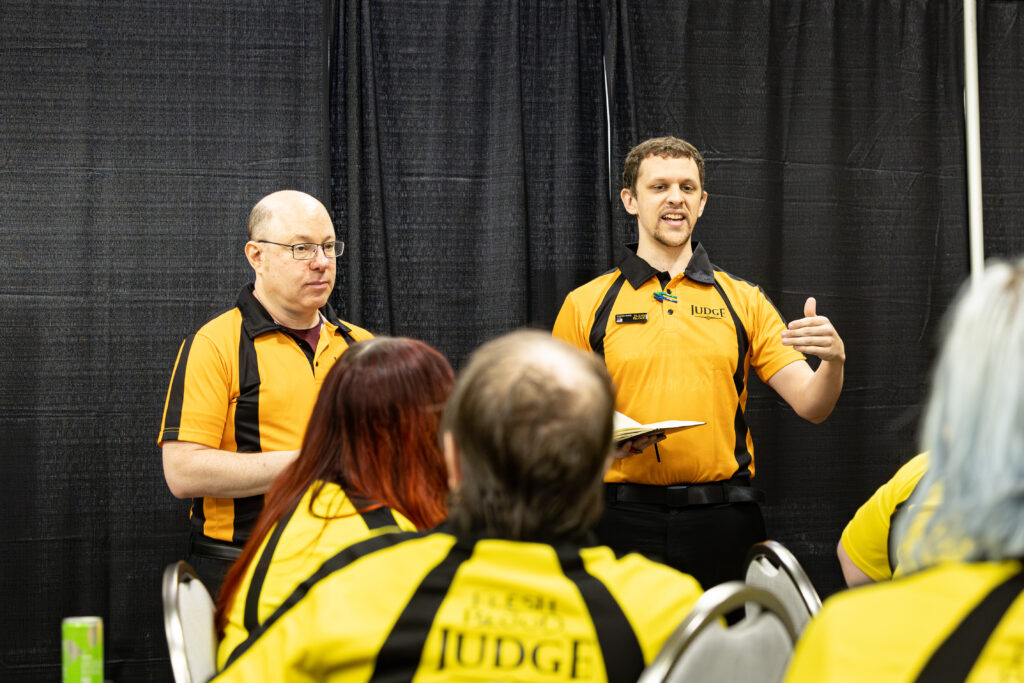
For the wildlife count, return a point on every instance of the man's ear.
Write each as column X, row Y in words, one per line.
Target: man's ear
column 628, row 201
column 254, row 255
column 703, row 203
column 452, row 461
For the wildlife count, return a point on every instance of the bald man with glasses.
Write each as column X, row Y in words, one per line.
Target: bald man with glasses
column 244, row 385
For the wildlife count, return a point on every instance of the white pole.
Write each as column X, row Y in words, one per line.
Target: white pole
column 973, row 130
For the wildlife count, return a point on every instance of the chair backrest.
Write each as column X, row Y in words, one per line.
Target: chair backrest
column 756, row 649
column 771, row 566
column 188, row 624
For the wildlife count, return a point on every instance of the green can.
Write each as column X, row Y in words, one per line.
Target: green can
column 82, row 649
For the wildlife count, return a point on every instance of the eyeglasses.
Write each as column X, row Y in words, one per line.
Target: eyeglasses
column 304, row 251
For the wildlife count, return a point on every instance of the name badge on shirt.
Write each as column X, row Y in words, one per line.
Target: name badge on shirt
column 627, row 318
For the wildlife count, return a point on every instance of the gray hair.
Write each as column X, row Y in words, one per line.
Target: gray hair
column 974, row 429
column 532, row 419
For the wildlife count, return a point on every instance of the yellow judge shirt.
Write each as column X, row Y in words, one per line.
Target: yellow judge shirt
column 307, row 537
column 441, row 608
column 868, row 538
column 243, row 384
column 887, row 632
column 684, row 354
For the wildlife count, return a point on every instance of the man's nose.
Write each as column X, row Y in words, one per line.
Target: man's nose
column 675, row 194
column 320, row 259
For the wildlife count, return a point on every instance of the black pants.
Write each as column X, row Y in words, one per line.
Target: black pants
column 709, row 542
column 211, row 567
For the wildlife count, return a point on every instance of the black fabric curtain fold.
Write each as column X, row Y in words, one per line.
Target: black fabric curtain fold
column 469, row 149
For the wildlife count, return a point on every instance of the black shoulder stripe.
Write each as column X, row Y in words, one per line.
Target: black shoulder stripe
column 338, row 561
column 758, row 287
column 251, row 617
column 620, row 649
column 399, row 657
column 601, row 315
column 955, row 658
column 379, row 518
column 176, row 396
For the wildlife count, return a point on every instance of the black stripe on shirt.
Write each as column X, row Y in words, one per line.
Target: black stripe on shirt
column 247, row 432
column 956, row 657
column 602, row 314
column 176, row 397
column 399, row 656
column 620, row 649
column 740, row 452
column 247, row 410
column 379, row 518
column 376, row 517
column 172, row 422
column 891, row 547
column 336, row 562
column 251, row 616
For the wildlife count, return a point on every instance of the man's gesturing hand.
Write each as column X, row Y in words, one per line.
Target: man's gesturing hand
column 813, row 334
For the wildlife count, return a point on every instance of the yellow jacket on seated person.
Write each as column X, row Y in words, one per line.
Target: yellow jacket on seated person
column 295, row 549
column 441, row 608
column 887, row 632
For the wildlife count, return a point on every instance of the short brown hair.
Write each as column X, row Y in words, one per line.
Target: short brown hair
column 531, row 418
column 668, row 147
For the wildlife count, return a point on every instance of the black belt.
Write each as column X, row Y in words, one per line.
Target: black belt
column 209, row 547
column 683, row 495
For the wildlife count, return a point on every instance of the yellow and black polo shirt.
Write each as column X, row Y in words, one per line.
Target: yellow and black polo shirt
column 685, row 359
column 868, row 538
column 241, row 383
column 313, row 531
column 398, row 607
column 960, row 621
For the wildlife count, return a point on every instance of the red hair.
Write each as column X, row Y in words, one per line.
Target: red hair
column 374, row 432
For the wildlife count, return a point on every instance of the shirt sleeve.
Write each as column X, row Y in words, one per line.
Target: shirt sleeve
column 767, row 352
column 568, row 325
column 866, row 537
column 198, row 398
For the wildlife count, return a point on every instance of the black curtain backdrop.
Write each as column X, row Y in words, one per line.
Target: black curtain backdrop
column 469, row 159
column 135, row 138
column 465, row 152
column 833, row 136
column 470, row 178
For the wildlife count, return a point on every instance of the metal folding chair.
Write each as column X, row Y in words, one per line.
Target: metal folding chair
column 188, row 624
column 771, row 566
column 756, row 649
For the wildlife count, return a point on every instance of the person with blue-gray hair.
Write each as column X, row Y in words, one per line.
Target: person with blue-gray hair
column 959, row 614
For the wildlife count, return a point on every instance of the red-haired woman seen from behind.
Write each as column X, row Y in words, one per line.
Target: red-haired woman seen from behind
column 370, row 463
